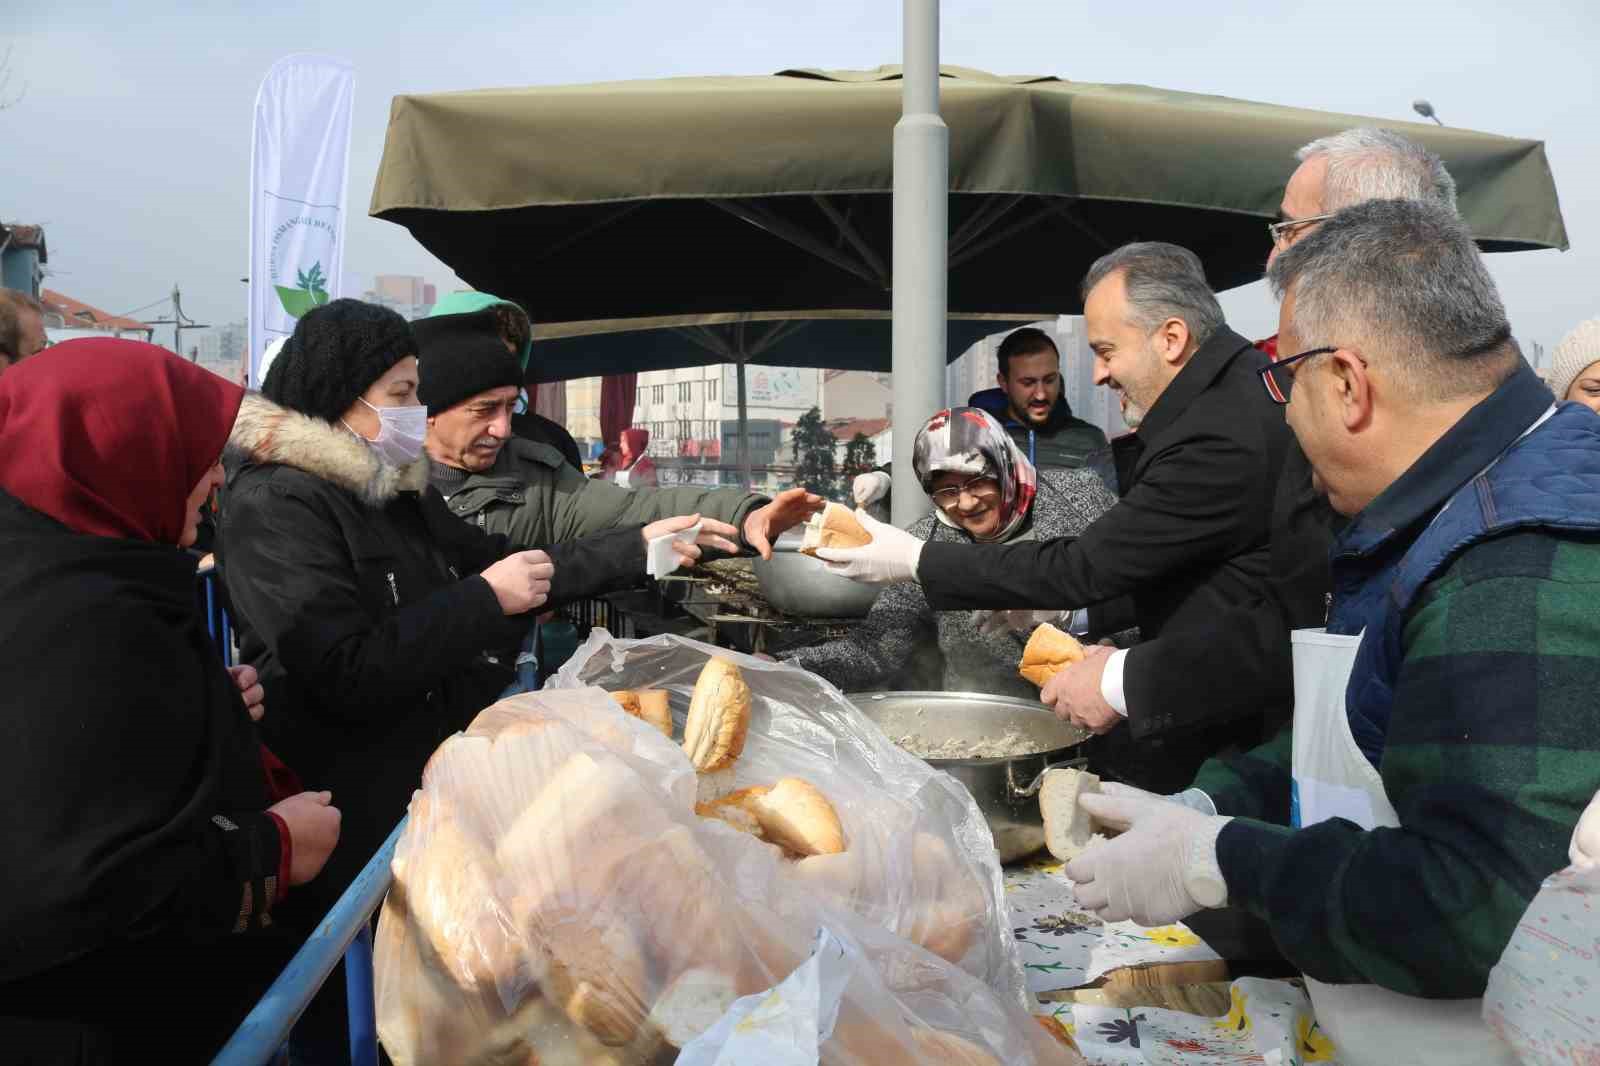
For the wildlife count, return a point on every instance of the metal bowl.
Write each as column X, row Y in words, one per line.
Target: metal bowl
column 799, row 585
column 1005, row 788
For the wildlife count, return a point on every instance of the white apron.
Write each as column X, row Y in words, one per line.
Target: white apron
column 1369, row 1026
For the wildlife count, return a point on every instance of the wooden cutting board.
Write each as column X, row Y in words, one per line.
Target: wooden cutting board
column 1193, row 987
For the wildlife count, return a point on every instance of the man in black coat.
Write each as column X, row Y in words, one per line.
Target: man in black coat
column 1188, row 540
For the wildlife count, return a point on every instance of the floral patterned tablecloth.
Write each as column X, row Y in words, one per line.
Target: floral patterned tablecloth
column 1063, row 947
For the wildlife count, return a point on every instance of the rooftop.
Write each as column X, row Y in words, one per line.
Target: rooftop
column 86, row 316
column 845, row 429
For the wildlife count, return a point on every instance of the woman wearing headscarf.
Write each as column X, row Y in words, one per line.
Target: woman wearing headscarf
column 142, row 859
column 380, row 623
column 984, row 490
column 635, row 468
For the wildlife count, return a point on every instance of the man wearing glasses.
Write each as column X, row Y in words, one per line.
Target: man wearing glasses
column 1443, row 745
column 21, row 328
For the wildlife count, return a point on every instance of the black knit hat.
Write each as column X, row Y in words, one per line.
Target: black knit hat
column 334, row 355
column 461, row 356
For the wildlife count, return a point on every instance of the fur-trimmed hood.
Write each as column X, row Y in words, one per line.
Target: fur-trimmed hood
column 267, row 433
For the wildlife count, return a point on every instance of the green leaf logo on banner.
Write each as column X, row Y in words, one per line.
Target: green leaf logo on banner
column 311, row 291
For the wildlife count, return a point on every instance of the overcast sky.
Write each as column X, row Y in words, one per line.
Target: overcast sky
column 131, row 144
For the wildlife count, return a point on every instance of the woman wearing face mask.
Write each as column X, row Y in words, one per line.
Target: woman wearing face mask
column 984, row 490
column 144, row 856
column 379, row 622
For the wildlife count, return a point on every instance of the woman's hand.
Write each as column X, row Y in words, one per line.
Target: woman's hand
column 521, row 581
column 713, row 534
column 313, row 823
column 785, row 511
column 250, row 689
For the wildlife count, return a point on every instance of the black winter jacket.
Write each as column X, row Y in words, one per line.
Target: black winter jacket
column 357, row 601
column 140, row 867
column 1190, row 541
column 1065, row 441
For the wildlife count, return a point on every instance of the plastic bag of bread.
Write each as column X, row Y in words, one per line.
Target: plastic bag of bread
column 918, row 856
column 560, row 897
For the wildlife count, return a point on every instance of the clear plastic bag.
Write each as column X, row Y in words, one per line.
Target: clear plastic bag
column 557, row 899
column 1544, row 993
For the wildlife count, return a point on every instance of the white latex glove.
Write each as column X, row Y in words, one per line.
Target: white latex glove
column 891, row 557
column 869, row 488
column 1016, row 620
column 1584, row 851
column 1161, row 869
column 1192, row 798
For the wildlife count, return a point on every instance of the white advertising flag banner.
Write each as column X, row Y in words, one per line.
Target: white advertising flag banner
column 299, row 164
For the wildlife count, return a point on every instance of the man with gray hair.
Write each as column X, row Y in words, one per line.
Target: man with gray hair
column 1351, row 167
column 1443, row 746
column 1187, row 540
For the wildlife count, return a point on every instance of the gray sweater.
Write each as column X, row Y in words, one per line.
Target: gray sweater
column 901, row 624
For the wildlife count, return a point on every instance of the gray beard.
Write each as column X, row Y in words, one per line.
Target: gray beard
column 1132, row 415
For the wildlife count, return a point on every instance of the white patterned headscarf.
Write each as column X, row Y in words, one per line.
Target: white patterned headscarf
column 967, row 440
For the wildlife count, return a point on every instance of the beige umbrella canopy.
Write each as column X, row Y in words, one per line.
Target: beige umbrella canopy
column 734, row 195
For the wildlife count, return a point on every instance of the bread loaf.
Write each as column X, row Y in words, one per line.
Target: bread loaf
column 561, row 855
column 947, row 1048
column 647, row 705
column 736, row 809
column 719, row 717
column 835, row 526
column 956, row 909
column 692, row 1003
column 1047, row 652
column 1068, row 828
column 447, row 881
column 598, row 977
column 798, row 818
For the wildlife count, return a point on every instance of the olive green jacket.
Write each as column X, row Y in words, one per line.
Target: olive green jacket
column 536, row 499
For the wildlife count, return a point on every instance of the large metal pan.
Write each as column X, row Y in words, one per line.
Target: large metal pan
column 1006, row 788
column 799, row 585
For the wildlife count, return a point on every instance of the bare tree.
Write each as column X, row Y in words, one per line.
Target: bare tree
column 6, row 72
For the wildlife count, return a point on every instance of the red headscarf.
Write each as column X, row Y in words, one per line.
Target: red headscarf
column 110, row 436
column 634, row 442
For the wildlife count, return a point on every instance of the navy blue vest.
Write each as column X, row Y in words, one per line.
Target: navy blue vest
column 1549, row 479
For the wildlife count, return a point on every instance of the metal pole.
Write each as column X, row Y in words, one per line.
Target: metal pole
column 744, row 429
column 921, row 234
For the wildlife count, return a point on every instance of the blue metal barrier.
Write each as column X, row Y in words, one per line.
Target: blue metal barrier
column 345, row 931
column 216, row 618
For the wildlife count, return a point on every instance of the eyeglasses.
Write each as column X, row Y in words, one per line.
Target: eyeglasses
column 1279, row 231
column 982, row 485
column 1278, row 384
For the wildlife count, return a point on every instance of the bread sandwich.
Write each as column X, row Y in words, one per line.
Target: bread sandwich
column 835, row 526
column 648, row 705
column 719, row 717
column 1048, row 651
column 1068, row 828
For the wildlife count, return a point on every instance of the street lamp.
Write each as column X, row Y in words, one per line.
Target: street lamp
column 1425, row 109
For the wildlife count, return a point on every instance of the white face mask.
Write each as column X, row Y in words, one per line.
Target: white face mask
column 401, row 432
